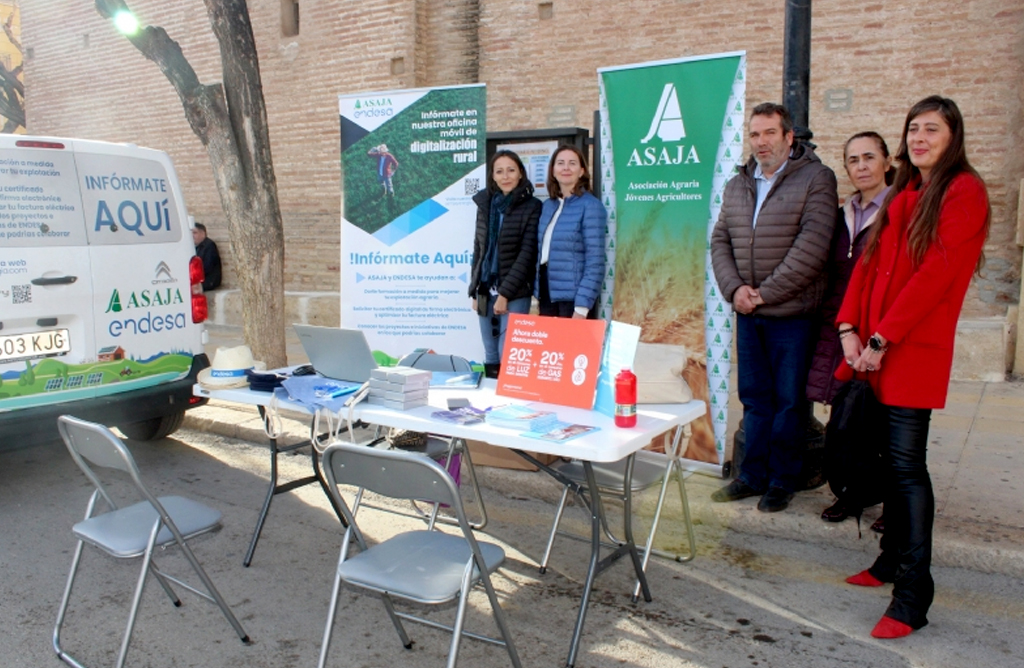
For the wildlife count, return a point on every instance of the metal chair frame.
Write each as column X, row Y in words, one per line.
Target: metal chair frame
column 611, row 480
column 408, row 475
column 440, row 446
column 122, row 532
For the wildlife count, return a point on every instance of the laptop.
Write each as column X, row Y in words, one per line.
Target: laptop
column 341, row 354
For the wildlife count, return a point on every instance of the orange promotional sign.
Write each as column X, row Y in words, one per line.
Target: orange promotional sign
column 554, row 360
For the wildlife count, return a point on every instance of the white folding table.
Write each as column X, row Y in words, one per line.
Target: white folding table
column 608, row 444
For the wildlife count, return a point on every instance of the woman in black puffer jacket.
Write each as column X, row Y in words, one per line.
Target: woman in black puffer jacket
column 504, row 251
column 867, row 162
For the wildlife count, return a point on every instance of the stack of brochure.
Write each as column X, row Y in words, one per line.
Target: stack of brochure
column 521, row 418
column 400, row 387
column 463, row 415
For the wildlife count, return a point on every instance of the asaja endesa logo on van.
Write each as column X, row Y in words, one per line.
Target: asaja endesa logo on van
column 143, row 299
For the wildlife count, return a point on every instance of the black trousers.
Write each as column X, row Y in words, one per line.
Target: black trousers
column 556, row 309
column 909, row 515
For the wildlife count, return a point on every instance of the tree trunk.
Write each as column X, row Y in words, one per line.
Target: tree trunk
column 231, row 122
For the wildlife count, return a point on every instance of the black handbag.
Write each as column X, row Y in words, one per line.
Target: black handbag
column 853, row 448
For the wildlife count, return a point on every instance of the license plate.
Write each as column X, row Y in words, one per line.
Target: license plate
column 53, row 342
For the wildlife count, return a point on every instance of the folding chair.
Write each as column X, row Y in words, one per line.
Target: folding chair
column 649, row 469
column 442, row 447
column 132, row 531
column 426, row 566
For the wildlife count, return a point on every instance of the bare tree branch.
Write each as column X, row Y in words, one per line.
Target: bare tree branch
column 9, row 31
column 12, row 89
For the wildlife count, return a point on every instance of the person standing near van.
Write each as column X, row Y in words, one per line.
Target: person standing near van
column 504, row 252
column 571, row 237
column 207, row 251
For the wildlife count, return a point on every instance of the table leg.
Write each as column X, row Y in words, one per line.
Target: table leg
column 266, row 502
column 275, row 489
column 627, row 528
column 592, row 570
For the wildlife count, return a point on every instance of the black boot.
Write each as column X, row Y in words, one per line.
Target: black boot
column 492, row 370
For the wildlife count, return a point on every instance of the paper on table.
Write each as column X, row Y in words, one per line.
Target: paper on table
column 562, row 431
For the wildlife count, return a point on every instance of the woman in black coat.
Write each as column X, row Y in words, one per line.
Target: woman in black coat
column 867, row 162
column 504, row 251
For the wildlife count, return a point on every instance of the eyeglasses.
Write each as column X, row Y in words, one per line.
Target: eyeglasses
column 495, row 326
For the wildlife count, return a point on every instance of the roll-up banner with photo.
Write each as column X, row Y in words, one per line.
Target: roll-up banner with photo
column 411, row 162
column 673, row 137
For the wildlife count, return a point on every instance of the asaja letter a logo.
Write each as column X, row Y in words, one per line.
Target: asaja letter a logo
column 668, row 120
column 667, row 125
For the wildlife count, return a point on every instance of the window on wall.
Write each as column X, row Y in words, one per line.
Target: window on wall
column 289, row 18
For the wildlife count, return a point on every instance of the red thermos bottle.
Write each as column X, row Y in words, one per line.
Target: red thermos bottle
column 625, row 399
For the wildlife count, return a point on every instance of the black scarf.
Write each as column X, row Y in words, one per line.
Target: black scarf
column 489, row 268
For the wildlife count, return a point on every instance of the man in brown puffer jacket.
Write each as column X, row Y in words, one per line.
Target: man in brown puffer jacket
column 769, row 249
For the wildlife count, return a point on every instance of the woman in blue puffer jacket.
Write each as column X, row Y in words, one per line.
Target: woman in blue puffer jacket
column 571, row 238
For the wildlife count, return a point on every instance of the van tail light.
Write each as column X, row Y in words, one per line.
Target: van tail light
column 200, row 308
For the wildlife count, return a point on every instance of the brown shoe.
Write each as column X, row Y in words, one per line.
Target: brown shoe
column 837, row 512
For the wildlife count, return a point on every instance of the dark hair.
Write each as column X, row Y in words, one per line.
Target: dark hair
column 772, row 109
column 582, row 186
column 871, row 134
column 200, row 226
column 923, row 229
column 492, row 186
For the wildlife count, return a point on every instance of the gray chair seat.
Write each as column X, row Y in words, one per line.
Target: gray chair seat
column 423, row 566
column 131, row 532
column 124, row 532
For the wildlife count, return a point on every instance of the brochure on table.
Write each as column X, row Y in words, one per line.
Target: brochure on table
column 553, row 360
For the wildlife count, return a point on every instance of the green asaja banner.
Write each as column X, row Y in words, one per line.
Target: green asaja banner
column 673, row 137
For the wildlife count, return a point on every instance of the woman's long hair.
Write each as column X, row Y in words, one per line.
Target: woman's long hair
column 582, row 185
column 492, row 185
column 923, row 229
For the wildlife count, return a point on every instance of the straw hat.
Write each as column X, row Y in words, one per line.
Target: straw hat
column 228, row 369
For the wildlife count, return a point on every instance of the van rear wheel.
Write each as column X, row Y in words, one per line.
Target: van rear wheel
column 154, row 428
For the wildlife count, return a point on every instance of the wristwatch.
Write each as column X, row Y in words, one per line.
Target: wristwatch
column 876, row 344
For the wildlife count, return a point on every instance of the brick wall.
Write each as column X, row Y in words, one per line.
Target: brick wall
column 88, row 81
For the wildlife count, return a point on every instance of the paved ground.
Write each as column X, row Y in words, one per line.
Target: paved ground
column 747, row 600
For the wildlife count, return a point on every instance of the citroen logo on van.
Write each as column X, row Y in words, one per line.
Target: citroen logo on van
column 163, row 274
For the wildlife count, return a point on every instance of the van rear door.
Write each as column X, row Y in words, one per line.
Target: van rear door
column 141, row 245
column 46, row 327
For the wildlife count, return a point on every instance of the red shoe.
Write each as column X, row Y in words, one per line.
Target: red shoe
column 887, row 628
column 866, row 579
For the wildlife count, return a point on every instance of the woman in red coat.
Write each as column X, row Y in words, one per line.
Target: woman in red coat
column 898, row 323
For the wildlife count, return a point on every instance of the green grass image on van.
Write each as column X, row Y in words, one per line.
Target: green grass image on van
column 52, row 375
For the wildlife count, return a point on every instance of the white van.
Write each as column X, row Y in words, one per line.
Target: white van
column 101, row 304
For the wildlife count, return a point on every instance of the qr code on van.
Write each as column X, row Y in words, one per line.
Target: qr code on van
column 21, row 294
column 472, row 186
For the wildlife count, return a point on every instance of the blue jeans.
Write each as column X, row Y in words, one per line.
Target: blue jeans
column 774, row 356
column 492, row 327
